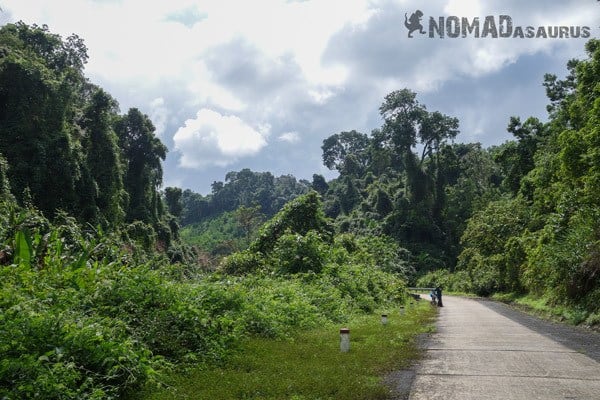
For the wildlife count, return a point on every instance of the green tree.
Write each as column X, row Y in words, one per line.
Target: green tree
column 173, row 198
column 143, row 153
column 517, row 158
column 40, row 77
column 319, row 184
column 492, row 256
column 248, row 218
column 303, row 214
column 4, row 183
column 103, row 160
column 346, row 148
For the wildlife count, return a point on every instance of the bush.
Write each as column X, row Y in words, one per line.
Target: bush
column 82, row 317
column 453, row 282
column 242, row 262
column 294, row 253
column 56, row 354
column 299, row 216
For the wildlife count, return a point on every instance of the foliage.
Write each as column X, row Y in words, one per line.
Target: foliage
column 457, row 282
column 143, row 153
column 544, row 241
column 242, row 262
column 242, row 188
column 347, row 152
column 216, row 236
column 419, row 200
column 4, row 183
column 103, row 161
column 296, row 253
column 375, row 350
column 39, row 79
column 66, row 146
column 299, row 216
column 173, row 200
column 88, row 314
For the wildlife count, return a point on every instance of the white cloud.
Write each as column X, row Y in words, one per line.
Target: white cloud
column 215, row 139
column 290, row 137
column 316, row 67
column 321, row 96
column 463, row 8
column 159, row 114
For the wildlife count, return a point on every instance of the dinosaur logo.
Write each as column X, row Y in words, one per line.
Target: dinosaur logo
column 414, row 23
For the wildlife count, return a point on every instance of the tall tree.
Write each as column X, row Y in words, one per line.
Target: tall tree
column 40, row 81
column 173, row 199
column 103, row 160
column 517, row 158
column 319, row 184
column 339, row 147
column 143, row 153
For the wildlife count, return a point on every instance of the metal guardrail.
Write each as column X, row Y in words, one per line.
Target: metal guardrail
column 421, row 289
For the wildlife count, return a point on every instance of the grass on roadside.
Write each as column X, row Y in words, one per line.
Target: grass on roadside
column 542, row 307
column 310, row 365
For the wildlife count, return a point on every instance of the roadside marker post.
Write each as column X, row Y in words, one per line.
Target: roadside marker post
column 344, row 340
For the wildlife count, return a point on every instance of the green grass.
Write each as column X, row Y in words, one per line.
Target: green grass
column 310, row 365
column 544, row 308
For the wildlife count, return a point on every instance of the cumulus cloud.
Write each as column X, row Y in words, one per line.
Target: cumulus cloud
column 215, row 139
column 246, row 69
column 289, row 137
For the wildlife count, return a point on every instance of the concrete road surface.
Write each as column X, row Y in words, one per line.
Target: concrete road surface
column 477, row 353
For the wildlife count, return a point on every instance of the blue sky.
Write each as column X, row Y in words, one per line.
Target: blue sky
column 259, row 84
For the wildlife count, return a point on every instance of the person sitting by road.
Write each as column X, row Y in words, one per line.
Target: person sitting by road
column 433, row 296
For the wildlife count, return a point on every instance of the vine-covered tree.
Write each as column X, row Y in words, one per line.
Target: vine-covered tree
column 143, row 153
column 173, row 199
column 40, row 80
column 103, row 158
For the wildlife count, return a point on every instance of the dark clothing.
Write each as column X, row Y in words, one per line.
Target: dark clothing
column 438, row 294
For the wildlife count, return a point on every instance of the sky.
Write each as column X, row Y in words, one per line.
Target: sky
column 260, row 84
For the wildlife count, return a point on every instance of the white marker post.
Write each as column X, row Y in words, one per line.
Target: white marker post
column 344, row 340
column 384, row 319
column 402, row 310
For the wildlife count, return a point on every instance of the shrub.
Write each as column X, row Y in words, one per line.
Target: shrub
column 241, row 262
column 299, row 216
column 81, row 317
column 294, row 253
column 56, row 354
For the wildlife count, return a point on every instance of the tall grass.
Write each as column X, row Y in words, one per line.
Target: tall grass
column 309, row 365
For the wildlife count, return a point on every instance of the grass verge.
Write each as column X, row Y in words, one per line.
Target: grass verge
column 543, row 308
column 309, row 365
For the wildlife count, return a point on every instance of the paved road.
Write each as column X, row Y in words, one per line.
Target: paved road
column 478, row 353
